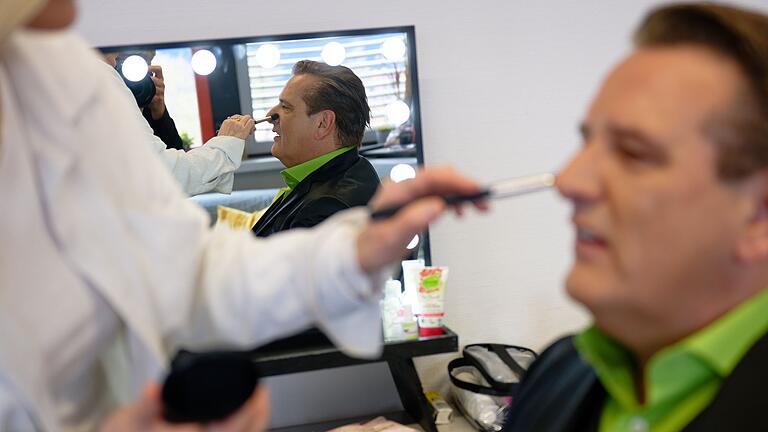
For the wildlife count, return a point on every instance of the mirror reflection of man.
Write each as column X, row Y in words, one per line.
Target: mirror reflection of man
column 323, row 114
column 670, row 207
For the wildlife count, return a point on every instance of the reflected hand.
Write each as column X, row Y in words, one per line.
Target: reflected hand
column 146, row 415
column 157, row 105
column 240, row 126
column 383, row 242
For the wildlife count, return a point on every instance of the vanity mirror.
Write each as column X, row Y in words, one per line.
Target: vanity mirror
column 207, row 81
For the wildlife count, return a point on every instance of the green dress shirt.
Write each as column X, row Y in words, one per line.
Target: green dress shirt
column 680, row 380
column 295, row 174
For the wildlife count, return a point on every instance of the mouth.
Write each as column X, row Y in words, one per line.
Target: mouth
column 589, row 236
column 589, row 241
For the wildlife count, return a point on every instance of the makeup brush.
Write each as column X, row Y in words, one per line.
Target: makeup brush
column 273, row 117
column 500, row 189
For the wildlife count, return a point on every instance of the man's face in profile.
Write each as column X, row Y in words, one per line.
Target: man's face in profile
column 294, row 127
column 656, row 227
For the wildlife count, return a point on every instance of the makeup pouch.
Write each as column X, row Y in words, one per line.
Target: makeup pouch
column 484, row 381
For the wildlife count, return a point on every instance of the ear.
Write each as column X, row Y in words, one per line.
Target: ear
column 753, row 244
column 325, row 124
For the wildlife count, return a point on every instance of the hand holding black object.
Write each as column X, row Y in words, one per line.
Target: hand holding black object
column 205, row 387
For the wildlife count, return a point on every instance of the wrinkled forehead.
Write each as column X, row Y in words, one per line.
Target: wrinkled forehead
column 669, row 87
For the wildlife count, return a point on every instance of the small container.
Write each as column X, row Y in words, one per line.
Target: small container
column 409, row 324
column 392, row 311
column 411, row 270
column 443, row 413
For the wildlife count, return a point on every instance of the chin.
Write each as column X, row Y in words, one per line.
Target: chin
column 588, row 288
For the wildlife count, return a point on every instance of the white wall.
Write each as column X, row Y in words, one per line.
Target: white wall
column 503, row 85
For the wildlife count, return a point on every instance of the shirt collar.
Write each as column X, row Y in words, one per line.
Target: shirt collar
column 723, row 343
column 713, row 352
column 295, row 174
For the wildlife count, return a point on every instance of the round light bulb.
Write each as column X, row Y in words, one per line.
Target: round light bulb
column 393, row 49
column 203, row 62
column 334, row 53
column 402, row 172
column 268, row 56
column 134, row 68
column 398, row 112
column 414, row 242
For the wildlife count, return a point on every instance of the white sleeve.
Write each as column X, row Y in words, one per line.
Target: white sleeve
column 203, row 169
column 213, row 289
column 210, row 168
column 254, row 290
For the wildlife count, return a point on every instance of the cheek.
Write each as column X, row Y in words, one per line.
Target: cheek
column 668, row 236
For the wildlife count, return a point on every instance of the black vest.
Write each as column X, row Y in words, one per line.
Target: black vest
column 561, row 392
column 346, row 181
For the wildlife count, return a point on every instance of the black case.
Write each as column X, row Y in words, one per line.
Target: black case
column 205, row 387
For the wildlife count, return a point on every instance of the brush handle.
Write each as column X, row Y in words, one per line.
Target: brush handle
column 450, row 200
column 273, row 117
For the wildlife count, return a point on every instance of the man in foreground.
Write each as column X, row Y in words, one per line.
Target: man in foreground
column 670, row 198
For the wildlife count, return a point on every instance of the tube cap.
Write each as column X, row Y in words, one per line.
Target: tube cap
column 430, row 331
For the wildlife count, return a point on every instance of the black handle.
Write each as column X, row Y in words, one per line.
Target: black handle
column 388, row 212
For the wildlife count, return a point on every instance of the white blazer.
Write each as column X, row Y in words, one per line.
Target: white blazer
column 89, row 215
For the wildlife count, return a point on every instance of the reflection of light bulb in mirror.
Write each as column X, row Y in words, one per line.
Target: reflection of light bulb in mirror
column 402, row 172
column 413, row 243
column 334, row 53
column 268, row 56
column 393, row 49
column 134, row 68
column 398, row 112
column 203, row 62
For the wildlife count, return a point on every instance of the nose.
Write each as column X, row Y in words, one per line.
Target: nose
column 578, row 181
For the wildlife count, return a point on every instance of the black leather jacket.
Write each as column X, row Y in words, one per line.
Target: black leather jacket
column 346, row 181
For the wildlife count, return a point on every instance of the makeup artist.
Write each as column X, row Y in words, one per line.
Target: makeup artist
column 95, row 294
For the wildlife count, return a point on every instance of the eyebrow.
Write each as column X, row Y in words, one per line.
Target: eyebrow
column 651, row 145
column 623, row 132
column 636, row 135
column 285, row 102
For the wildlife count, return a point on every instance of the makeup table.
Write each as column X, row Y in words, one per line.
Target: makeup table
column 313, row 351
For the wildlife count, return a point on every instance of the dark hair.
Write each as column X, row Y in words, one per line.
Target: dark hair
column 337, row 89
column 741, row 35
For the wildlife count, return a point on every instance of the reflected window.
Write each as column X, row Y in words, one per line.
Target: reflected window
column 181, row 95
column 379, row 60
